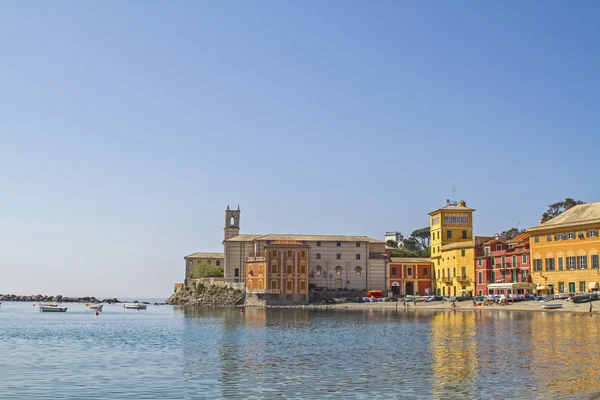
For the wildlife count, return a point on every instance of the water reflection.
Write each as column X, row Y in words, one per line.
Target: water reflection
column 387, row 354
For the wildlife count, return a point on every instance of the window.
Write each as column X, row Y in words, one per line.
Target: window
column 511, row 246
column 318, row 244
column 339, row 244
column 409, row 271
column 561, row 287
column 318, row 256
column 288, row 286
column 209, row 261
column 592, row 233
column 357, row 244
column 302, row 285
column 218, row 263
column 582, row 262
column 338, row 256
column 524, row 261
column 463, row 272
column 249, row 285
column 582, row 287
column 549, row 264
column 523, row 276
column 571, row 235
column 433, row 250
column 358, row 271
column 479, row 262
column 462, row 253
column 393, row 271
column 274, row 268
column 438, row 249
column 594, row 261
column 449, row 234
column 303, row 253
column 548, row 238
column 571, row 263
column 289, row 253
column 514, row 261
column 559, row 236
column 438, row 261
column 358, row 256
column 454, row 272
column 498, row 247
column 289, row 268
column 338, row 270
column 260, row 268
column 274, row 253
column 493, row 261
column 319, row 270
column 487, row 251
column 425, row 271
column 438, row 235
column 464, row 234
column 190, row 263
column 503, row 261
column 302, row 268
column 560, row 264
column 537, row 265
column 536, row 239
column 480, row 278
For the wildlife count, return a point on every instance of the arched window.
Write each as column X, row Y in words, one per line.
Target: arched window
column 289, row 268
column 232, row 221
column 319, row 270
column 249, row 285
column 260, row 284
column 260, row 268
column 338, row 270
column 358, row 271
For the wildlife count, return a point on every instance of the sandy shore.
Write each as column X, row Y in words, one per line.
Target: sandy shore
column 468, row 306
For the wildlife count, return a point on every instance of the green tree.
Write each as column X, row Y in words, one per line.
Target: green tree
column 423, row 236
column 207, row 270
column 559, row 208
column 404, row 253
column 512, row 233
column 426, row 252
column 411, row 244
column 392, row 243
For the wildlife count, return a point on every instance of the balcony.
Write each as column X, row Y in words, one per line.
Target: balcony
column 447, row 279
column 253, row 257
column 463, row 278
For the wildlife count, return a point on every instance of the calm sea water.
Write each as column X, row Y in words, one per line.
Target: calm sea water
column 175, row 353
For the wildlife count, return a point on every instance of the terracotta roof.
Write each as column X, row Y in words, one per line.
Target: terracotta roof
column 452, row 207
column 410, row 260
column 492, row 241
column 205, row 255
column 578, row 215
column 523, row 237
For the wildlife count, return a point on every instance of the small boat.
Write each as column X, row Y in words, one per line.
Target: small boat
column 52, row 308
column 551, row 306
column 561, row 296
column 134, row 306
column 94, row 307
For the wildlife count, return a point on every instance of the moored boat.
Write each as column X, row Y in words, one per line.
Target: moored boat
column 134, row 306
column 52, row 308
column 551, row 306
column 94, row 307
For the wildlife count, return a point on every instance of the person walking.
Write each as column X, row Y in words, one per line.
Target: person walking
column 590, row 306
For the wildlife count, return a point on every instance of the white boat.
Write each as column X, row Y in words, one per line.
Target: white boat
column 561, row 296
column 94, row 307
column 52, row 308
column 135, row 306
column 551, row 306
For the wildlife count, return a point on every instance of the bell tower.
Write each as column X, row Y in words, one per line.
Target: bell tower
column 232, row 222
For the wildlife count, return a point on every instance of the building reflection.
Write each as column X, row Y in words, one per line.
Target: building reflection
column 453, row 348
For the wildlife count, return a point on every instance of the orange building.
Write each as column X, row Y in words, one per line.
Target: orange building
column 410, row 276
column 280, row 274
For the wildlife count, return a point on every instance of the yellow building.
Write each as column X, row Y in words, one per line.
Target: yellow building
column 452, row 249
column 564, row 251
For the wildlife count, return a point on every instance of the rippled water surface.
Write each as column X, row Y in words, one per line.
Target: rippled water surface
column 174, row 353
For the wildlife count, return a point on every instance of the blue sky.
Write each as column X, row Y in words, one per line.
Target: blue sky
column 127, row 127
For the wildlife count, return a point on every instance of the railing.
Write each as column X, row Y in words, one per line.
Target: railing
column 265, row 291
column 463, row 278
column 446, row 279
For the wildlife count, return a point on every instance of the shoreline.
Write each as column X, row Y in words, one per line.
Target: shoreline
column 523, row 306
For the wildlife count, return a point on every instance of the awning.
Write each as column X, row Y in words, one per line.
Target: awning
column 594, row 285
column 512, row 286
column 542, row 288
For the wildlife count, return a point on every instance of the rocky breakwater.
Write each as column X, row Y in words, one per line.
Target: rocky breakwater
column 56, row 299
column 206, row 295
